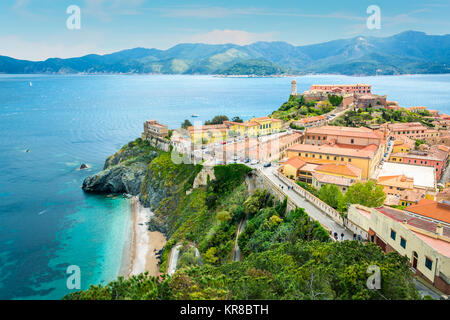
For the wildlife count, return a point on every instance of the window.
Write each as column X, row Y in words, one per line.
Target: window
column 403, row 242
column 349, row 160
column 428, row 263
column 352, row 141
column 342, row 159
column 328, row 157
column 393, row 234
column 299, row 154
column 335, row 158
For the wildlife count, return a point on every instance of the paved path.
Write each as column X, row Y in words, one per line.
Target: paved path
column 311, row 210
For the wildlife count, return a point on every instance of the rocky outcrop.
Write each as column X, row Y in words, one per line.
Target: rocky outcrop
column 117, row 179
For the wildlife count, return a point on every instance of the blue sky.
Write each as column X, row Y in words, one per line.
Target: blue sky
column 36, row 29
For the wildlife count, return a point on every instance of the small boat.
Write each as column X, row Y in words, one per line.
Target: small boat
column 31, row 84
column 194, row 115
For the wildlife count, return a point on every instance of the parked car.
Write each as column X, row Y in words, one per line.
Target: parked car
column 224, row 142
column 266, row 165
column 254, row 161
column 203, row 147
column 246, row 160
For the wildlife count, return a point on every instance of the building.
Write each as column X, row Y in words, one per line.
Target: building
column 438, row 212
column 291, row 168
column 370, row 101
column 255, row 127
column 342, row 88
column 400, row 190
column 208, row 133
column 339, row 174
column 424, row 177
column 412, row 130
column 423, row 238
column 366, row 158
column 220, row 132
column 417, row 109
column 311, row 122
column 293, row 88
column 403, row 144
column 155, row 129
column 343, row 136
column 433, row 158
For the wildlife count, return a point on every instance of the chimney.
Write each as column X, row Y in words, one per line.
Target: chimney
column 439, row 229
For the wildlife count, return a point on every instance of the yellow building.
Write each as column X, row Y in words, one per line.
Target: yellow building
column 292, row 166
column 403, row 145
column 255, row 127
column 208, row 133
column 365, row 158
column 400, row 190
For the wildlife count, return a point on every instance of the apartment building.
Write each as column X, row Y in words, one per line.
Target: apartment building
column 423, row 238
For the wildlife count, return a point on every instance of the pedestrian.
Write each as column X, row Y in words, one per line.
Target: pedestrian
column 354, row 236
column 335, row 235
column 342, row 236
column 359, row 237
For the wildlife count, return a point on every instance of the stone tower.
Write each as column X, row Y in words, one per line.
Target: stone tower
column 293, row 88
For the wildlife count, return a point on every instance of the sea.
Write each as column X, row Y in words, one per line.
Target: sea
column 51, row 124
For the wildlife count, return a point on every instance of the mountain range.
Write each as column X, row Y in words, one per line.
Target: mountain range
column 410, row 52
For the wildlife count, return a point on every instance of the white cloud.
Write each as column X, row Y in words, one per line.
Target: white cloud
column 239, row 37
column 29, row 50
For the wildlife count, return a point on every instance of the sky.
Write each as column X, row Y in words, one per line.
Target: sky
column 37, row 29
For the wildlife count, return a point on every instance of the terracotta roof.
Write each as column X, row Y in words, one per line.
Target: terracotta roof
column 398, row 180
column 333, row 150
column 361, row 132
column 431, row 209
column 326, row 178
column 417, row 222
column 311, row 119
column 296, row 162
column 341, row 168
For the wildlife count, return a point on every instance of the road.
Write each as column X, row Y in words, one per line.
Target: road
column 311, row 210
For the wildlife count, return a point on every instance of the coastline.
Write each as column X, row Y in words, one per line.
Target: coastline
column 139, row 254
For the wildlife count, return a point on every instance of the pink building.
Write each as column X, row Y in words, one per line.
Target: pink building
column 342, row 88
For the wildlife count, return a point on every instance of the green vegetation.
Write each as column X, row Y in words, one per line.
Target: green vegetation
column 300, row 270
column 285, row 255
column 369, row 116
column 217, row 120
column 367, row 194
column 253, row 67
column 296, row 107
column 418, row 143
column 293, row 126
column 237, row 119
column 186, row 123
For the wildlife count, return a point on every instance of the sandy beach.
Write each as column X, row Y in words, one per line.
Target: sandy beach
column 141, row 255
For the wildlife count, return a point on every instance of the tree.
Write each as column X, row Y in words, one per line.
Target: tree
column 367, row 194
column 237, row 119
column 217, row 120
column 335, row 100
column 186, row 124
column 331, row 195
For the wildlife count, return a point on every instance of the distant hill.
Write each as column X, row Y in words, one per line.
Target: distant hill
column 404, row 53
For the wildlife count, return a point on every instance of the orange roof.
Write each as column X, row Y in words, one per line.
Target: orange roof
column 344, row 131
column 333, row 150
column 296, row 162
column 431, row 209
column 312, row 119
column 346, row 169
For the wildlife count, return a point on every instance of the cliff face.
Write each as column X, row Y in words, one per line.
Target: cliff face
column 140, row 170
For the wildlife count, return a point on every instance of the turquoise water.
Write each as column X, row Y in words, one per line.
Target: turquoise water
column 47, row 223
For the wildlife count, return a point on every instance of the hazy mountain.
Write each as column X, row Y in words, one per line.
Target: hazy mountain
column 407, row 52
